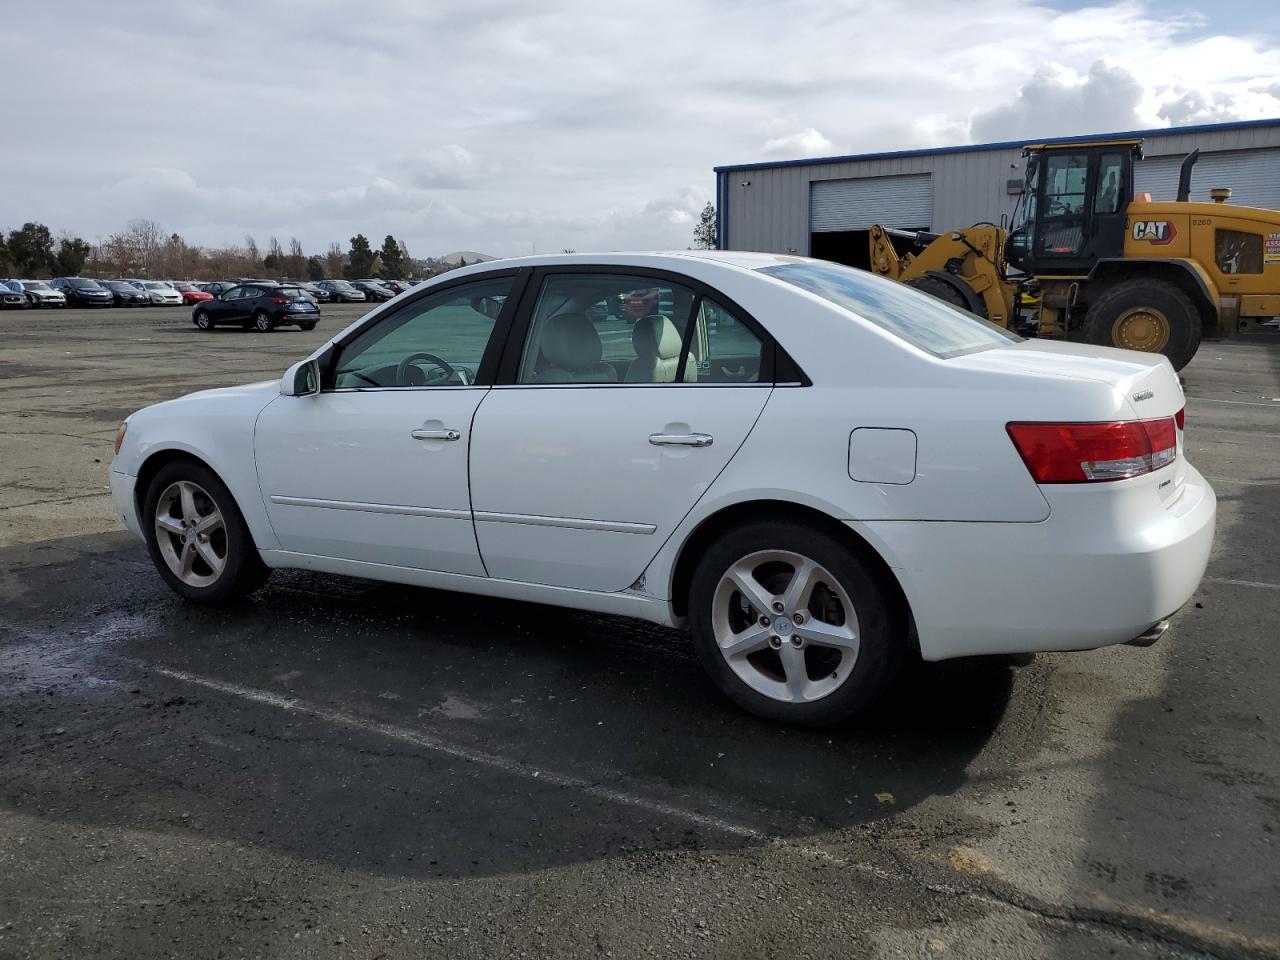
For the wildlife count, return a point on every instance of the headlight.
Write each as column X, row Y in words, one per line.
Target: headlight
column 120, row 435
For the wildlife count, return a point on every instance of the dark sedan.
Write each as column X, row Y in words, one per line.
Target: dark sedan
column 126, row 294
column 83, row 292
column 374, row 290
column 258, row 306
column 11, row 299
column 341, row 291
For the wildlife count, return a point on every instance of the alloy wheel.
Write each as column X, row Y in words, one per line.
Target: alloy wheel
column 191, row 534
column 785, row 626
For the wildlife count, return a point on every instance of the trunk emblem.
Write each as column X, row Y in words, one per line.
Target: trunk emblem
column 1143, row 395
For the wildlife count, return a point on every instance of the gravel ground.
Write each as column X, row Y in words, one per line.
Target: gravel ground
column 339, row 768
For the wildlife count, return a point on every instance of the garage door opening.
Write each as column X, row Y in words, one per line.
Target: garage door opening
column 841, row 213
column 853, row 247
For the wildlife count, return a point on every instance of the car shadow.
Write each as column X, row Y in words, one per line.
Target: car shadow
column 412, row 731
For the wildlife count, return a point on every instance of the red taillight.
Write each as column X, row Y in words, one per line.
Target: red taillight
column 279, row 300
column 1180, row 418
column 1094, row 452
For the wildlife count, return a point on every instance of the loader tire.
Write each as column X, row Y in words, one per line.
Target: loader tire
column 1146, row 315
column 940, row 290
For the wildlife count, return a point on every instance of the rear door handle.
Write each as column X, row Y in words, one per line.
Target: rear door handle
column 681, row 439
column 446, row 433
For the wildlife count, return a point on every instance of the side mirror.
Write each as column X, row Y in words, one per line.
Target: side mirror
column 302, row 379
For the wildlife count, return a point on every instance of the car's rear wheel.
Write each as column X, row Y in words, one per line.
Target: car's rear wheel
column 308, row 326
column 262, row 322
column 202, row 320
column 792, row 625
column 197, row 536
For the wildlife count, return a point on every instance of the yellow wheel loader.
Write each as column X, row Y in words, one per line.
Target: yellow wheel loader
column 1088, row 260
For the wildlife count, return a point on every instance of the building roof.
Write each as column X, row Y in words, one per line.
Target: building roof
column 1006, row 145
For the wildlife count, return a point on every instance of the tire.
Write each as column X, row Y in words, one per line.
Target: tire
column 1128, row 300
column 202, row 320
column 941, row 290
column 307, row 326
column 784, row 676
column 262, row 322
column 241, row 570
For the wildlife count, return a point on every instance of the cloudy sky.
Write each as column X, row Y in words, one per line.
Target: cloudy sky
column 501, row 126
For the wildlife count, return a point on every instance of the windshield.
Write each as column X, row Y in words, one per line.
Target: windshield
column 154, row 285
column 919, row 319
column 35, row 285
column 81, row 283
column 183, row 287
column 342, row 284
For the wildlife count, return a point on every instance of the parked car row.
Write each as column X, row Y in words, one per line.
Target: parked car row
column 129, row 292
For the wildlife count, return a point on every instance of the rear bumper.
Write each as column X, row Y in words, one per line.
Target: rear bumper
column 1105, row 568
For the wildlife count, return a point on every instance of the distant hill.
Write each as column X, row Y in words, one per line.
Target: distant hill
column 469, row 255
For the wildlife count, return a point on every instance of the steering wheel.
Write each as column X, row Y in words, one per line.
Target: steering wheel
column 402, row 369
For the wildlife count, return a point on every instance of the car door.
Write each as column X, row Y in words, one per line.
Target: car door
column 228, row 306
column 606, row 427
column 374, row 467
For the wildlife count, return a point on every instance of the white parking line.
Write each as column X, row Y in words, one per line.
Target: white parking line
column 491, row 760
column 1242, row 403
column 1243, row 583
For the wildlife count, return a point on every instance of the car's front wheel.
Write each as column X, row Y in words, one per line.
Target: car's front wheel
column 792, row 625
column 197, row 536
column 262, row 322
column 202, row 320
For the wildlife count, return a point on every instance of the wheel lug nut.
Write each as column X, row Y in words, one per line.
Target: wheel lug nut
column 798, row 618
column 777, row 606
column 775, row 642
column 764, row 621
column 797, row 642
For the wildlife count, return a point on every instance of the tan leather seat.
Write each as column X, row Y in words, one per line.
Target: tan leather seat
column 657, row 344
column 572, row 349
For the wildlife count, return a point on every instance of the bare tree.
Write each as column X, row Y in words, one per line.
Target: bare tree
column 334, row 261
column 297, row 260
column 252, row 253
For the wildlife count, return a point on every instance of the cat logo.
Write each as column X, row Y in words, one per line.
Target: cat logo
column 1157, row 232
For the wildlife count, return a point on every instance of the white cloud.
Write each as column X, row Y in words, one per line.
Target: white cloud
column 806, row 143
column 1056, row 101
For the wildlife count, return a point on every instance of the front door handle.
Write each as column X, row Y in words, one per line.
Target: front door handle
column 681, row 439
column 445, row 433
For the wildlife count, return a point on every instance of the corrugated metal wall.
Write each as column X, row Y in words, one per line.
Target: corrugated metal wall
column 767, row 209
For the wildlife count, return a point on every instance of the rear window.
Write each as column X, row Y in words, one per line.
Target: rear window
column 293, row 293
column 919, row 319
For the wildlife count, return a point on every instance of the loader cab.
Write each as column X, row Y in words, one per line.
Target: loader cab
column 1075, row 201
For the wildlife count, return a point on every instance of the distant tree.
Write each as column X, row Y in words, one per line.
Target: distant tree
column 334, row 261
column 251, row 252
column 71, row 256
column 462, row 261
column 31, row 249
column 392, row 259
column 360, row 258
column 315, row 269
column 704, row 233
column 4, row 254
column 296, row 262
column 274, row 260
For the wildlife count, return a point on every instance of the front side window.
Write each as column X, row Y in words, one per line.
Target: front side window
column 1235, row 251
column 438, row 341
column 1062, row 219
column 607, row 328
column 235, row 293
column 919, row 319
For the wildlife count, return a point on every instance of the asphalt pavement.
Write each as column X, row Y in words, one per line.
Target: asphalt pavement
column 340, row 768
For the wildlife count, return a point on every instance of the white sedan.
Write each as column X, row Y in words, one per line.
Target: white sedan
column 161, row 294
column 818, row 471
